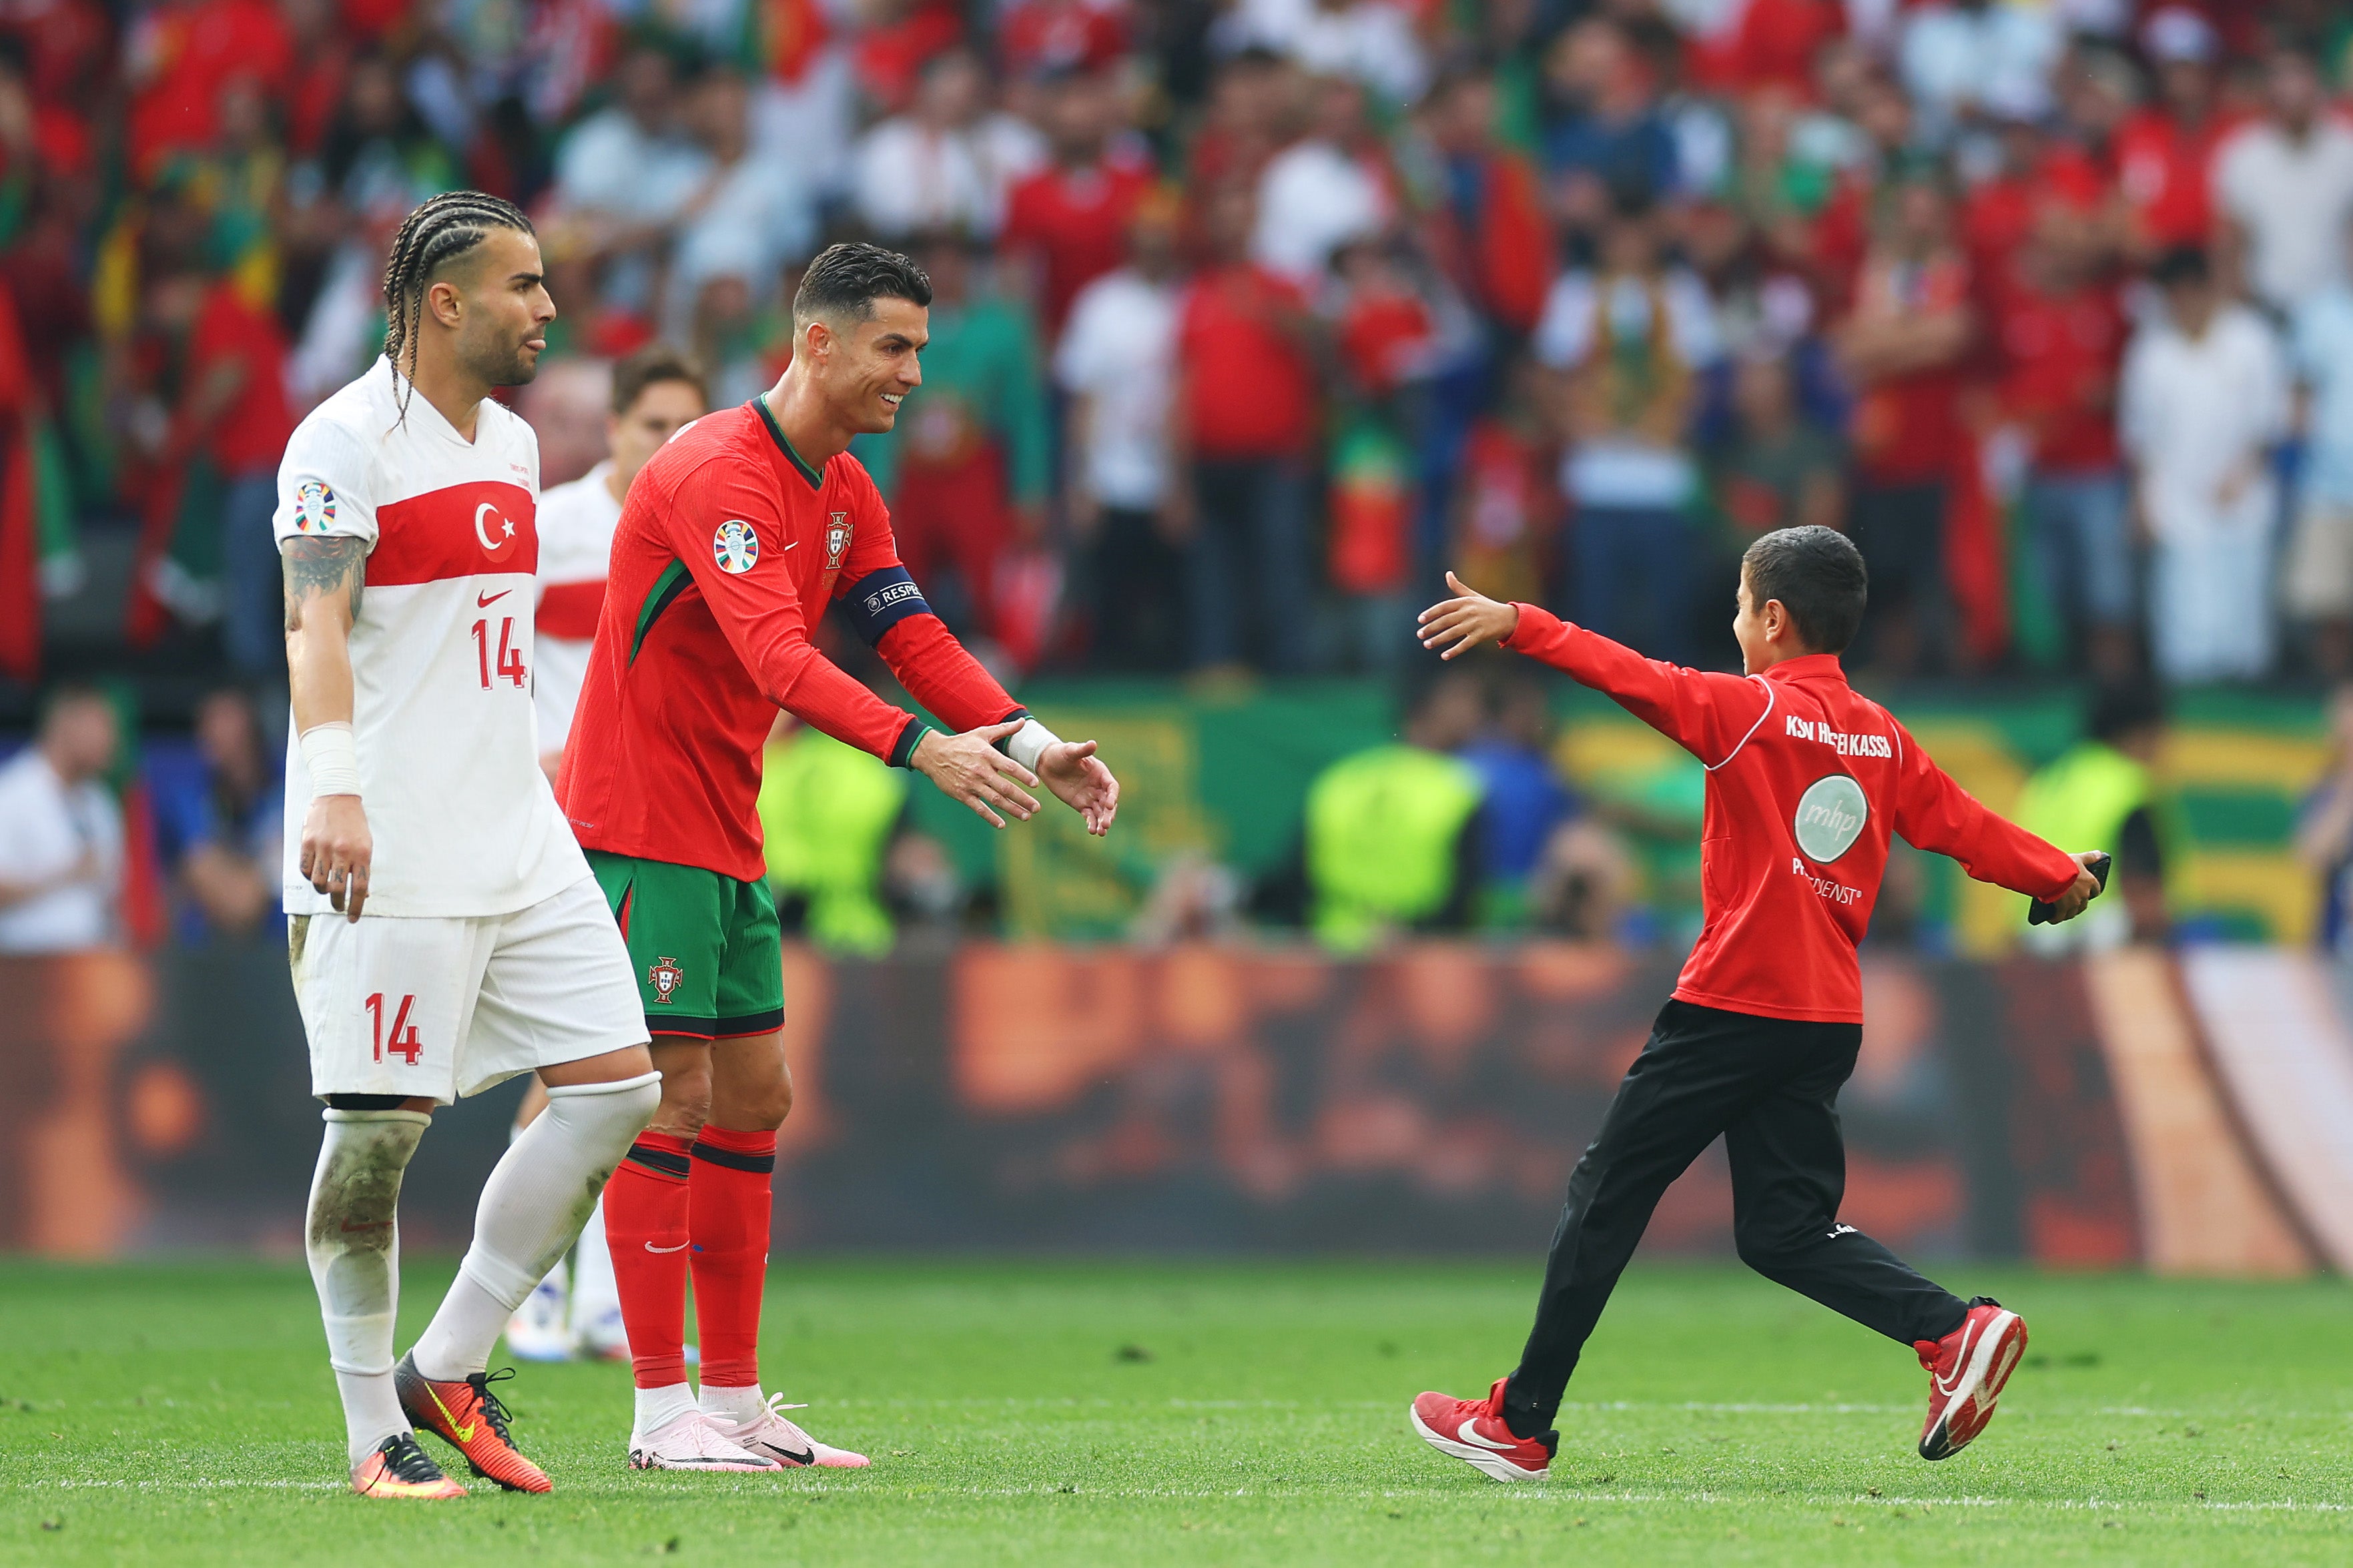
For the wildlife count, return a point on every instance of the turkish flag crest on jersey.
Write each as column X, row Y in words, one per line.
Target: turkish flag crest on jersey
column 456, row 532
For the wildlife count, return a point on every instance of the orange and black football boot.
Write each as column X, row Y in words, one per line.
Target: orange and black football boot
column 466, row 1414
column 400, row 1469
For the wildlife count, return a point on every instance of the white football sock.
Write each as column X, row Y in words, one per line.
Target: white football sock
column 658, row 1408
column 353, row 1239
column 732, row 1404
column 532, row 1206
column 594, row 1292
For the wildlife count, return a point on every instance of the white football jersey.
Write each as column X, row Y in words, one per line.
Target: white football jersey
column 575, row 542
column 463, row 820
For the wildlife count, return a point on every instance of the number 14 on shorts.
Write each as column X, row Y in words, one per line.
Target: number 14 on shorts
column 401, row 1041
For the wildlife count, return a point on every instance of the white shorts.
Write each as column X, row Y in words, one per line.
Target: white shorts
column 437, row 1008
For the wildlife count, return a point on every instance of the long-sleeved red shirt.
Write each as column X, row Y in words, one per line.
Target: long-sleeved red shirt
column 729, row 549
column 1807, row 780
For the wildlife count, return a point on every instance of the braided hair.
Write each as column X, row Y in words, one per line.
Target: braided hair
column 441, row 229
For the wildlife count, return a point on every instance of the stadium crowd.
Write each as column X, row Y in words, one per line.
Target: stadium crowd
column 1253, row 315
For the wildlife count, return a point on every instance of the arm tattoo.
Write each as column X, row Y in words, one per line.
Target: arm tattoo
column 327, row 565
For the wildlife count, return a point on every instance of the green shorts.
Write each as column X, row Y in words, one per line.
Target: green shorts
column 706, row 949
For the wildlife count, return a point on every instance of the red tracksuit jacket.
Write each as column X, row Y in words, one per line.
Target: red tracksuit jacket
column 1806, row 780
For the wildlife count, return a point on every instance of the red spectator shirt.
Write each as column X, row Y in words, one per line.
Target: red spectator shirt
column 2166, row 171
column 1807, row 781
column 1249, row 391
column 729, row 549
column 1907, row 427
column 2059, row 358
column 1076, row 220
column 251, row 433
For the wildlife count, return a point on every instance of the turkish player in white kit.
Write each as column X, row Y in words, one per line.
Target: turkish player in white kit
column 444, row 931
column 655, row 390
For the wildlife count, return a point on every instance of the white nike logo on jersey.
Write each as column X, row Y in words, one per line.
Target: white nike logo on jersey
column 796, row 544
column 1468, row 1436
column 681, row 1246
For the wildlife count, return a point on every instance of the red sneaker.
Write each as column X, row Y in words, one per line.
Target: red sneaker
column 1966, row 1370
column 1472, row 1431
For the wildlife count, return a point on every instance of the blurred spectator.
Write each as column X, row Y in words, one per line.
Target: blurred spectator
column 220, row 824
column 1394, row 836
column 2203, row 399
column 1116, row 362
column 2324, row 839
column 627, row 173
column 948, row 161
column 1780, row 468
column 1904, row 345
column 1326, row 190
column 752, row 211
column 61, row 831
column 1486, row 223
column 1604, row 139
column 966, row 470
column 1071, row 216
column 2104, row 792
column 1370, row 40
column 1962, row 58
column 828, row 814
column 2285, row 184
column 2060, row 335
column 2165, row 151
column 1525, row 800
column 1629, row 338
column 1506, row 508
column 1039, row 38
column 2317, row 586
column 1243, row 432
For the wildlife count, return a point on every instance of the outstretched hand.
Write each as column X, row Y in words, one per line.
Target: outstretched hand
column 969, row 768
column 1080, row 781
column 1454, row 627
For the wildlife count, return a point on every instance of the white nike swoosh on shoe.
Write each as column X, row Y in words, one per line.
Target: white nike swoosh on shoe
column 1468, row 1436
column 1961, row 1361
column 681, row 1246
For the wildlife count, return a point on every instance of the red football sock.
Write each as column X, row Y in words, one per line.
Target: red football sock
column 645, row 1230
column 729, row 1197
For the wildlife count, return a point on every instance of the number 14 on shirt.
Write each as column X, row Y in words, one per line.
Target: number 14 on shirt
column 509, row 664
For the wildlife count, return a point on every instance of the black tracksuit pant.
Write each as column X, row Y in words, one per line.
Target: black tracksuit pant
column 1769, row 1086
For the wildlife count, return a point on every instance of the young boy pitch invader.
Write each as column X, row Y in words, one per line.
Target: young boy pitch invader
column 1806, row 783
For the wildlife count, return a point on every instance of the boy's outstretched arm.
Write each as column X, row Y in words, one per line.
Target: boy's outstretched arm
column 1933, row 813
column 1707, row 714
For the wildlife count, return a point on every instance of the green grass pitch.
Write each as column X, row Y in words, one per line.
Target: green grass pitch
column 1114, row 1413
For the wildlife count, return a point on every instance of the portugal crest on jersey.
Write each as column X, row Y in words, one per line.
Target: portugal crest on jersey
column 736, row 547
column 314, row 507
column 665, row 977
column 837, row 540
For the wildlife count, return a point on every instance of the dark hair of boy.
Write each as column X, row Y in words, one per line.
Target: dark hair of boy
column 1819, row 578
column 2181, row 265
column 649, row 367
column 845, row 281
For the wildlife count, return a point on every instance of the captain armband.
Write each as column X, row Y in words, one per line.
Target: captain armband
column 881, row 599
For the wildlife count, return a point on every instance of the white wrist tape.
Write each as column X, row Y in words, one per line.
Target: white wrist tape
column 332, row 760
column 1028, row 743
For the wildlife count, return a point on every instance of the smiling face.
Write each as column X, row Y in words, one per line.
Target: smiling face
column 494, row 299
column 866, row 369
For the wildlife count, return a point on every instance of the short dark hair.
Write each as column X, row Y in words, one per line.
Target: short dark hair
column 1819, row 578
column 2120, row 707
column 846, row 280
column 652, row 364
column 2181, row 264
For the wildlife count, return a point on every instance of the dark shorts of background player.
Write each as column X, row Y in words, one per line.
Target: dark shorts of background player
column 706, row 949
column 1769, row 1087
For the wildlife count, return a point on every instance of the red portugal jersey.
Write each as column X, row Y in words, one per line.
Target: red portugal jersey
column 1807, row 781
column 729, row 549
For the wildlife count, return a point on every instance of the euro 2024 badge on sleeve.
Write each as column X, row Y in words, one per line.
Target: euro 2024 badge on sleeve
column 736, row 547
column 314, row 507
